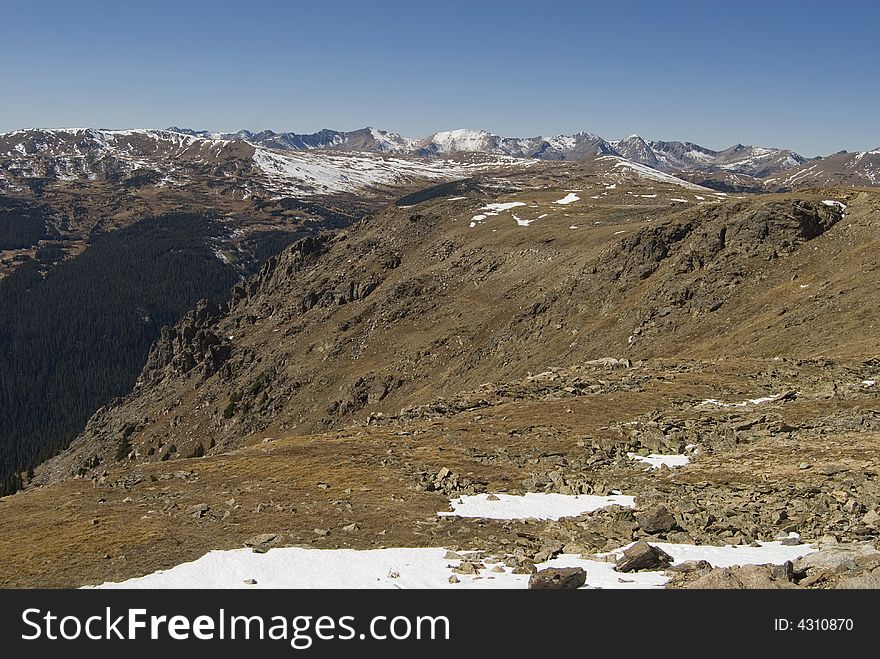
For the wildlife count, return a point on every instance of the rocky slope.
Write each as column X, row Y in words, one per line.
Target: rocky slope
column 860, row 169
column 425, row 300
column 526, row 330
column 803, row 461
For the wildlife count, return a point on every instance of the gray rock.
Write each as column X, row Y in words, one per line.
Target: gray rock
column 198, row 510
column 861, row 581
column 837, row 558
column 869, row 562
column 784, row 572
column 691, row 566
column 642, row 556
column 525, row 568
column 466, row 567
column 261, row 543
column 740, row 577
column 656, row 520
column 562, row 578
column 261, row 539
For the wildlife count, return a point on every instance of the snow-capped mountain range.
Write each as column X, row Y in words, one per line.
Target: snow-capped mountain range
column 442, row 144
column 737, row 167
column 665, row 156
column 350, row 161
column 683, row 156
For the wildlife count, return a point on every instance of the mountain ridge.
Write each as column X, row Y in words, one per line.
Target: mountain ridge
column 370, row 159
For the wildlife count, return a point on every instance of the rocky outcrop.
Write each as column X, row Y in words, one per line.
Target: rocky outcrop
column 192, row 344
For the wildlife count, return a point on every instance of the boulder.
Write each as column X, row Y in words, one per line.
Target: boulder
column 656, row 520
column 642, row 556
column 835, row 558
column 561, row 578
column 261, row 543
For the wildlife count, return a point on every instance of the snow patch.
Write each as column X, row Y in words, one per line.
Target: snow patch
column 568, row 199
column 532, row 505
column 402, row 568
column 752, row 401
column 655, row 460
column 504, row 206
column 652, row 174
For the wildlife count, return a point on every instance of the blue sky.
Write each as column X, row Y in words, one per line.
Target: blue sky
column 803, row 75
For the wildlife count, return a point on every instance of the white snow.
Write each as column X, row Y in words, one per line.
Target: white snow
column 869, row 383
column 496, row 208
column 532, row 505
column 390, row 141
column 656, row 460
column 295, row 567
column 310, row 173
column 652, row 174
column 462, row 139
column 568, row 199
column 680, row 200
column 832, row 202
column 774, row 553
column 503, row 206
column 745, row 403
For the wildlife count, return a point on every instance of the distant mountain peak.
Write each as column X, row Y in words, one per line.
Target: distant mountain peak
column 737, row 167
